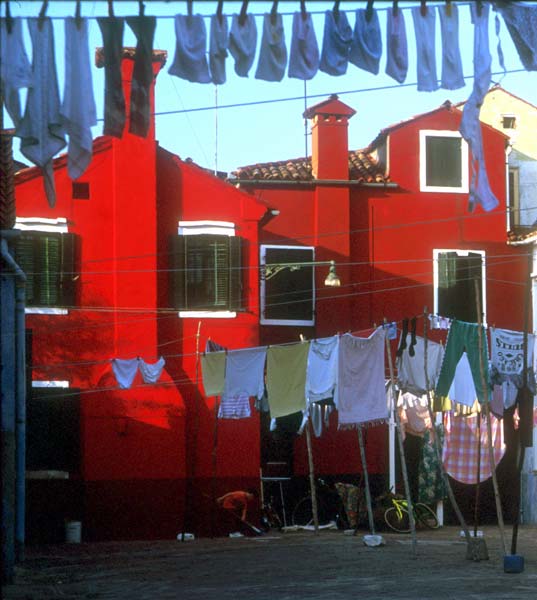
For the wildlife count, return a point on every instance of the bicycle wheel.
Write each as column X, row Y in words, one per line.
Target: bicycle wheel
column 303, row 513
column 397, row 519
column 426, row 515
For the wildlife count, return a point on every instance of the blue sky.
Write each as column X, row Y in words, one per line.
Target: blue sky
column 227, row 138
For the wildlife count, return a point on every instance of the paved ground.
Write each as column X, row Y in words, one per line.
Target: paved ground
column 279, row 566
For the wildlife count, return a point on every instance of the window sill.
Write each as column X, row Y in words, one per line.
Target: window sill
column 438, row 189
column 45, row 310
column 47, row 475
column 207, row 314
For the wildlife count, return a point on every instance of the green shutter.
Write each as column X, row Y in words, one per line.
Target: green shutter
column 25, row 257
column 177, row 273
column 235, row 274
column 49, row 268
column 68, row 269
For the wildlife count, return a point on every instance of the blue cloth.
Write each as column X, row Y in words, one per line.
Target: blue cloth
column 242, row 43
column 452, row 74
column 397, row 46
column 521, row 21
column 304, row 54
column 218, row 45
column 336, row 44
column 273, row 53
column 190, row 61
column 470, row 126
column 424, row 28
column 366, row 47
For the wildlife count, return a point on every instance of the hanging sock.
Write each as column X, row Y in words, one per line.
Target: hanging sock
column 273, row 53
column 190, row 61
column 396, row 46
column 452, row 74
column 366, row 46
column 521, row 21
column 125, row 371
column 304, row 54
column 114, row 100
column 242, row 43
column 151, row 372
column 470, row 127
column 15, row 69
column 412, row 336
column 41, row 131
column 78, row 107
column 424, row 28
column 337, row 39
column 402, row 343
column 142, row 74
column 218, row 45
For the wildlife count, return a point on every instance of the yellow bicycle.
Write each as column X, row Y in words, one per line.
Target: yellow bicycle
column 397, row 517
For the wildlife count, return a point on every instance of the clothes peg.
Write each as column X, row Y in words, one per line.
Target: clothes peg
column 448, row 8
column 189, row 7
column 479, row 6
column 369, row 11
column 395, row 8
column 423, row 9
column 9, row 18
column 335, row 11
column 78, row 18
column 242, row 14
column 110, row 8
column 274, row 12
column 219, row 10
column 42, row 14
column 303, row 9
column 141, row 8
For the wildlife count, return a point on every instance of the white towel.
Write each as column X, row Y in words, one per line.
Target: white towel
column 362, row 396
column 15, row 69
column 78, row 108
column 245, row 372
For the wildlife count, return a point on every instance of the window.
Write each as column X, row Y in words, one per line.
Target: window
column 53, row 429
column 48, row 260
column 443, row 162
column 206, row 272
column 288, row 298
column 454, row 274
column 81, row 190
column 508, row 121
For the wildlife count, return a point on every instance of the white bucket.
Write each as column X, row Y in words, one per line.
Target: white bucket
column 73, row 532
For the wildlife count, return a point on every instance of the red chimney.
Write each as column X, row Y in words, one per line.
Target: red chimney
column 329, row 131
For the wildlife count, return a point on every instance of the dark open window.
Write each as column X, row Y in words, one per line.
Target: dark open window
column 456, row 287
column 53, row 430
column 48, row 260
column 206, row 272
column 288, row 296
column 443, row 160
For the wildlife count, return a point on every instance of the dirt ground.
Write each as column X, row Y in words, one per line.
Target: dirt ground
column 280, row 566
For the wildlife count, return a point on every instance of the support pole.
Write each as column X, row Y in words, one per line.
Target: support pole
column 437, row 449
column 402, row 451
column 313, row 491
column 366, row 480
column 486, row 406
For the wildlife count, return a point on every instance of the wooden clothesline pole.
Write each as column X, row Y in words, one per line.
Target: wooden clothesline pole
column 366, row 481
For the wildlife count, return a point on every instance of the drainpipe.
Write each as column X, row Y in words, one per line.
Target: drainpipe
column 20, row 397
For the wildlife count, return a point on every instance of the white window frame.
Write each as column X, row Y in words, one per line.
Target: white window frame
column 262, row 262
column 45, row 224
column 459, row 252
column 213, row 228
column 426, row 133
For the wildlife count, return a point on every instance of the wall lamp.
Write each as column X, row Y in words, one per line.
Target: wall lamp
column 268, row 271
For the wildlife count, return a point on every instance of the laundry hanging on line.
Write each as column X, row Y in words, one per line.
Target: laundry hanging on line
column 125, row 370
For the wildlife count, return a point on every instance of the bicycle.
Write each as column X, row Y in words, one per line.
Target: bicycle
column 329, row 508
column 397, row 517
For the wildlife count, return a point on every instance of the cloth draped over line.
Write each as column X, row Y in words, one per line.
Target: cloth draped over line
column 461, row 446
column 322, row 369
column 507, row 357
column 41, row 128
column 213, row 369
column 452, row 72
column 125, row 370
column 78, row 109
column 361, row 385
column 304, row 53
column 190, row 60
column 273, row 52
column 15, row 68
column 366, row 45
column 286, row 378
column 424, row 29
column 470, row 126
column 521, row 21
column 242, row 43
column 397, row 46
column 337, row 38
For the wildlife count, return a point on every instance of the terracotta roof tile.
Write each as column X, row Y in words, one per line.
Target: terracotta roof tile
column 362, row 167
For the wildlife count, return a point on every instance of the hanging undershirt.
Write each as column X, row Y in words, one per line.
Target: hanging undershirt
column 337, row 38
column 218, row 45
column 78, row 108
column 452, row 73
column 242, row 43
column 322, row 369
column 396, row 46
column 273, row 52
column 411, row 369
column 190, row 60
column 424, row 28
column 304, row 53
column 366, row 46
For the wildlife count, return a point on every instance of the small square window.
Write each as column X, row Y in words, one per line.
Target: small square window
column 81, row 190
column 508, row 121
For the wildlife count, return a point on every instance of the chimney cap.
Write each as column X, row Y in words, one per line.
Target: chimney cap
column 331, row 106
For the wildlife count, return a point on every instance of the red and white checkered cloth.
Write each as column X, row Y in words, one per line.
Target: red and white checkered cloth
column 460, row 446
